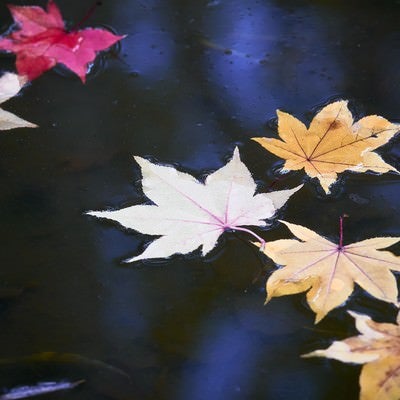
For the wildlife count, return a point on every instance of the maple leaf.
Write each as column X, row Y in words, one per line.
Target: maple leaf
column 10, row 85
column 189, row 214
column 378, row 347
column 42, row 42
column 329, row 270
column 332, row 144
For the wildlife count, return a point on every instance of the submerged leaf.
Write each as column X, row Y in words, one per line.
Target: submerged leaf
column 24, row 392
column 10, row 85
column 378, row 347
column 102, row 378
column 189, row 214
column 328, row 270
column 332, row 144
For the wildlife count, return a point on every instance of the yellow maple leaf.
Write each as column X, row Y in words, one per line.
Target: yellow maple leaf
column 329, row 270
column 332, row 144
column 378, row 347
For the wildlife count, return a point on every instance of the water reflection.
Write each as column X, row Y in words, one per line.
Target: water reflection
column 122, row 314
column 277, row 58
column 388, row 89
column 238, row 75
column 189, row 104
column 229, row 359
column 151, row 51
column 149, row 47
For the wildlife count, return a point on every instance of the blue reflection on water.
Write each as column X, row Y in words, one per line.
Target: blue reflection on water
column 151, row 52
column 239, row 73
column 122, row 302
column 230, row 358
column 149, row 47
column 274, row 60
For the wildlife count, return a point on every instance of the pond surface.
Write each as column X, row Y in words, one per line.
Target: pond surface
column 192, row 80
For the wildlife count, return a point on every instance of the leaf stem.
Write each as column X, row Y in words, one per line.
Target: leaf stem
column 261, row 240
column 88, row 14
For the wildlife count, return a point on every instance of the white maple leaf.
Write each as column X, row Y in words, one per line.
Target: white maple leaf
column 188, row 214
column 10, row 85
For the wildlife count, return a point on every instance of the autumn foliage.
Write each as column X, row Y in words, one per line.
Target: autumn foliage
column 332, row 144
column 41, row 41
column 328, row 271
column 189, row 214
column 378, row 349
column 10, row 85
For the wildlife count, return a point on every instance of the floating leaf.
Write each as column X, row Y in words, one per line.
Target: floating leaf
column 42, row 42
column 378, row 347
column 189, row 214
column 332, row 144
column 10, row 85
column 329, row 270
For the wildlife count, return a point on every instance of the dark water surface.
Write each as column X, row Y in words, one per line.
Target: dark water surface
column 191, row 80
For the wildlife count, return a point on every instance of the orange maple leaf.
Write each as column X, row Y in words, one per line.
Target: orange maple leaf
column 332, row 144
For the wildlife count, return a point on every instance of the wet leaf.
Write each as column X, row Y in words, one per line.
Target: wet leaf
column 332, row 144
column 378, row 347
column 329, row 270
column 189, row 214
column 24, row 392
column 42, row 42
column 10, row 85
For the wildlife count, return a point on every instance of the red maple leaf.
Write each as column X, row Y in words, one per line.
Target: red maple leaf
column 42, row 41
